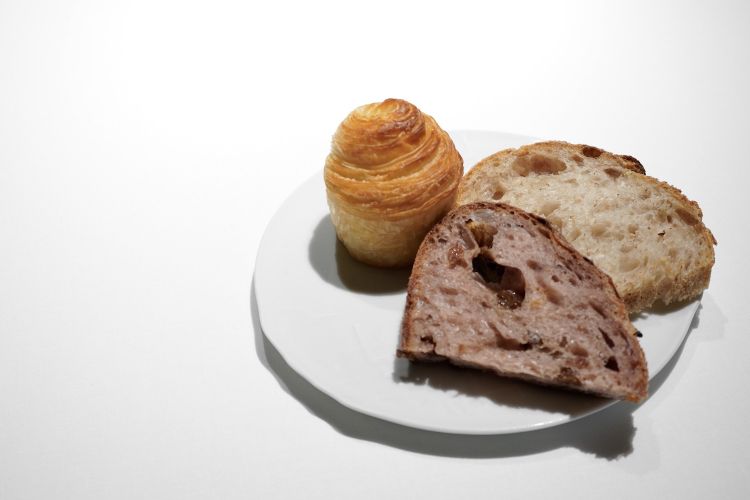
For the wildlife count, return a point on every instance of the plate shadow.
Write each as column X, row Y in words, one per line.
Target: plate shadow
column 607, row 434
column 661, row 309
column 502, row 391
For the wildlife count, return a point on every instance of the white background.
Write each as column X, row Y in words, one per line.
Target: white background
column 145, row 145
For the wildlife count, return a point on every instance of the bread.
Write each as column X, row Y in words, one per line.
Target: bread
column 391, row 174
column 644, row 233
column 498, row 289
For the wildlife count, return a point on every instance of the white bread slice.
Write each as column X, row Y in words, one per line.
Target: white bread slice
column 643, row 232
column 496, row 288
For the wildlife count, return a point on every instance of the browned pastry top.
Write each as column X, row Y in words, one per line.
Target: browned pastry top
column 389, row 160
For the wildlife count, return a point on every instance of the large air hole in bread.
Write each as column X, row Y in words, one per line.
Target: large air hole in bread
column 507, row 282
column 537, row 164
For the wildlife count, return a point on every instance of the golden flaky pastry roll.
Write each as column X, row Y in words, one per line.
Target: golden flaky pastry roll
column 391, row 175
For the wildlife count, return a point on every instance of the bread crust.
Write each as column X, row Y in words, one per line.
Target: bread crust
column 687, row 285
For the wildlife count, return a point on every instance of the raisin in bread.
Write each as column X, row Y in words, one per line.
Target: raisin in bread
column 498, row 289
column 644, row 233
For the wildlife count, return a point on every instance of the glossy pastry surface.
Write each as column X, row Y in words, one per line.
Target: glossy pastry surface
column 391, row 174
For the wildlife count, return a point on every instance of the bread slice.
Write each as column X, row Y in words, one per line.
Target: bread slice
column 496, row 288
column 644, row 233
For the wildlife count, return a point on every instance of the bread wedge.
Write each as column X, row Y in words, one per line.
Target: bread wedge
column 496, row 288
column 644, row 233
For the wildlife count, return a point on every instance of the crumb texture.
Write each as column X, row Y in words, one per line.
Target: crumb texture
column 645, row 234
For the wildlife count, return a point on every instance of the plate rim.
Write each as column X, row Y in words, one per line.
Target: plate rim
column 556, row 420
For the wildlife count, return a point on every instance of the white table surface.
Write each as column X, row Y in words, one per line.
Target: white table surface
column 144, row 147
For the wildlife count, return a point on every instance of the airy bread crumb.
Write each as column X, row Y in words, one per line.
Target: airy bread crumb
column 643, row 232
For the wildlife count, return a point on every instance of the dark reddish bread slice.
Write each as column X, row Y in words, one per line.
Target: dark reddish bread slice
column 496, row 288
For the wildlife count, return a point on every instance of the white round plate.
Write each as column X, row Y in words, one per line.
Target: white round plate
column 336, row 323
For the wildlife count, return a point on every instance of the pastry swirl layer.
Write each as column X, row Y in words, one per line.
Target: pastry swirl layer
column 391, row 161
column 391, row 174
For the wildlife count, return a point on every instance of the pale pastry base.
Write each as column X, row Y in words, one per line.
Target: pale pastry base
column 385, row 243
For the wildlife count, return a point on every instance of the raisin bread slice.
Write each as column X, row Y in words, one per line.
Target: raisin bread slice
column 496, row 288
column 644, row 233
